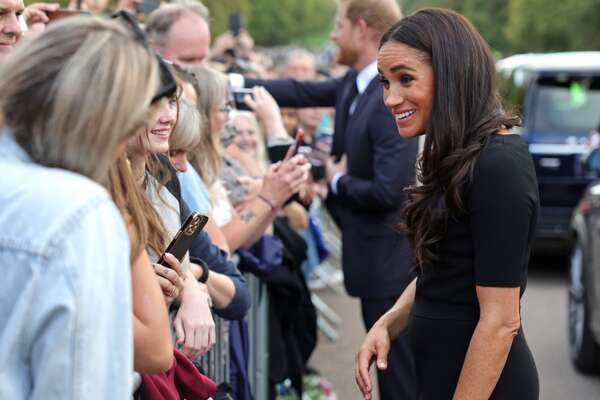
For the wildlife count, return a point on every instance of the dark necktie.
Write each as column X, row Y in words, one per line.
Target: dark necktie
column 349, row 94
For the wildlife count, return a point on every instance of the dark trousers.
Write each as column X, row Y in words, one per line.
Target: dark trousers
column 398, row 381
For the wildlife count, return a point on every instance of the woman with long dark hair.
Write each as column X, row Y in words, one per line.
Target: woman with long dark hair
column 470, row 220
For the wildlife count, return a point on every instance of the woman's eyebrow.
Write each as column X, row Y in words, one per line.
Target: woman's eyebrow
column 400, row 67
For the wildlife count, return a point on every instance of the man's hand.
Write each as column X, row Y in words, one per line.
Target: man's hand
column 36, row 17
column 334, row 168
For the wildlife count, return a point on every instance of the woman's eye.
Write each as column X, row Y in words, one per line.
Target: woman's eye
column 384, row 81
column 404, row 79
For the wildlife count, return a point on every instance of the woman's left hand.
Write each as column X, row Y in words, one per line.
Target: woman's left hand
column 194, row 325
column 376, row 346
column 266, row 109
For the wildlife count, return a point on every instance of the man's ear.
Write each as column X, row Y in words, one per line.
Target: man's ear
column 362, row 27
column 365, row 32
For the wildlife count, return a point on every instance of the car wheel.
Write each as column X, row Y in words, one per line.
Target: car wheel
column 585, row 352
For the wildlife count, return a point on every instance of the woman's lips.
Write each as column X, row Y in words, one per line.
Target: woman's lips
column 161, row 133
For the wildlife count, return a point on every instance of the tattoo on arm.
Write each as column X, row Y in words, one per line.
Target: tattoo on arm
column 247, row 216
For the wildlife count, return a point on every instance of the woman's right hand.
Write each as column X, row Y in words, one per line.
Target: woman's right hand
column 170, row 278
column 266, row 109
column 376, row 346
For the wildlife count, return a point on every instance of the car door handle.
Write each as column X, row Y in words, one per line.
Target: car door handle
column 550, row 162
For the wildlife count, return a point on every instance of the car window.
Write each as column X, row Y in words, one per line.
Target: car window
column 567, row 104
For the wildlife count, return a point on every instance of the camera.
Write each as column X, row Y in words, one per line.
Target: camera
column 238, row 96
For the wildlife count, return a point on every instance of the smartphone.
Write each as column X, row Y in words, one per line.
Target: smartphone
column 145, row 7
column 298, row 143
column 236, row 24
column 238, row 98
column 182, row 241
column 64, row 13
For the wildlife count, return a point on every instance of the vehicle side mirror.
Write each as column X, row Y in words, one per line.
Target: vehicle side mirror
column 592, row 161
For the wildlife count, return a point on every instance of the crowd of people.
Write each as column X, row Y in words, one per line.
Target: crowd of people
column 116, row 127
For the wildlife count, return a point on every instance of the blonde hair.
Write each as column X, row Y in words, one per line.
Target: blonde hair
column 211, row 88
column 379, row 15
column 261, row 152
column 74, row 93
column 186, row 134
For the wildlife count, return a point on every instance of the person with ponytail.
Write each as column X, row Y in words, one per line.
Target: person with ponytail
column 470, row 220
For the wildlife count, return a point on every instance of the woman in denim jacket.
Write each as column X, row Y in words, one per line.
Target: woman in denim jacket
column 65, row 303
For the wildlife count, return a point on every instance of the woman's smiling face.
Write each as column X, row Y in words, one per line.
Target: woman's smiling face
column 160, row 131
column 407, row 78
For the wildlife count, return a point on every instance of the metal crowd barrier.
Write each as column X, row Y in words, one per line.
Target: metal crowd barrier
column 215, row 363
column 258, row 328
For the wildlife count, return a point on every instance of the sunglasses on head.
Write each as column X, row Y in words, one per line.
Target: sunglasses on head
column 168, row 84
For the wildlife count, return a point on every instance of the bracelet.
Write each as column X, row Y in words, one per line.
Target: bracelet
column 263, row 198
column 205, row 270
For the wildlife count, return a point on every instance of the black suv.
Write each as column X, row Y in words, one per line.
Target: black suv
column 584, row 287
column 558, row 95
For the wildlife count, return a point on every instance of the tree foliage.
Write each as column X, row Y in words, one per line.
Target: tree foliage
column 510, row 26
column 536, row 25
column 276, row 22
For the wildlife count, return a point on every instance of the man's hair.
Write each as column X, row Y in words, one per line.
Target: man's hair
column 379, row 15
column 73, row 94
column 161, row 20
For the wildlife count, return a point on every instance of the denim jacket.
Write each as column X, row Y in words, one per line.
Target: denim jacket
column 65, row 286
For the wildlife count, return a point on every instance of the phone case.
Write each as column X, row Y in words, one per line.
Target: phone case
column 184, row 238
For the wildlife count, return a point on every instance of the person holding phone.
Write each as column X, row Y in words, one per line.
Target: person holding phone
column 153, row 348
column 65, row 256
column 194, row 325
column 470, row 222
column 280, row 181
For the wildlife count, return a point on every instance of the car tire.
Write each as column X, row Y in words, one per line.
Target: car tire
column 584, row 350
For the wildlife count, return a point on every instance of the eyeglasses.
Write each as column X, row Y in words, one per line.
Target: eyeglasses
column 226, row 109
column 168, row 84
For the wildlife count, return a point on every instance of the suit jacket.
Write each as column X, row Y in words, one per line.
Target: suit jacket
column 376, row 258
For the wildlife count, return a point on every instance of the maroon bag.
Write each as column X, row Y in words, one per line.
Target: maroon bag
column 182, row 381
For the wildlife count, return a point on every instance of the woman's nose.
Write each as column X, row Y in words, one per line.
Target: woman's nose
column 393, row 98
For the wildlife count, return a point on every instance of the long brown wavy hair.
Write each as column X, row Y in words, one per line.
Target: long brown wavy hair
column 466, row 111
column 144, row 225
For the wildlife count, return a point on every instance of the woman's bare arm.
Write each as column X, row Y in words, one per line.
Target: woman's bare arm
column 216, row 235
column 499, row 323
column 153, row 348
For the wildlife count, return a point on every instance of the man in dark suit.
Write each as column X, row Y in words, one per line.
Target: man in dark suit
column 370, row 166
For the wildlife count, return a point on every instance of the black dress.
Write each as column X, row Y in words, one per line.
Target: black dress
column 489, row 246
